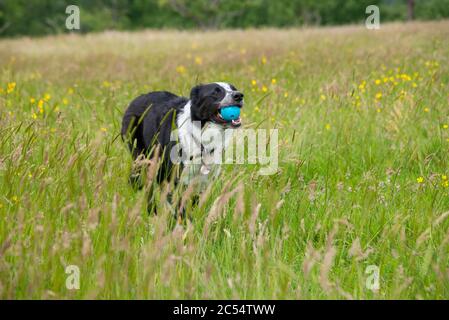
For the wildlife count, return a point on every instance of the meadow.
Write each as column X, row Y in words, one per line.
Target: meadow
column 362, row 182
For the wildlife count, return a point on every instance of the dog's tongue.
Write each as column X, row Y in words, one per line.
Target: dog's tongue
column 236, row 122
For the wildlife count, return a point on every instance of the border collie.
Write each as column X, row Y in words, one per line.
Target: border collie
column 153, row 119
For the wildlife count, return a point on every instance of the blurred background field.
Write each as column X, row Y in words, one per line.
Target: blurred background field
column 40, row 17
column 363, row 166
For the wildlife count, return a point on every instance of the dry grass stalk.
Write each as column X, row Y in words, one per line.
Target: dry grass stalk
column 311, row 257
column 357, row 251
column 326, row 263
column 187, row 194
column 217, row 208
column 253, row 219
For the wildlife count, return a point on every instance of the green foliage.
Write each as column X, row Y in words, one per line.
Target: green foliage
column 39, row 17
column 432, row 9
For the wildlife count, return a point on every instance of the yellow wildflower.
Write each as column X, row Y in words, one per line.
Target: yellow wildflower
column 41, row 106
column 273, row 81
column 47, row 97
column 198, row 60
column 420, row 179
column 10, row 87
column 181, row 69
column 32, row 100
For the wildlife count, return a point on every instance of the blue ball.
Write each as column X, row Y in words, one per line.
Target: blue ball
column 230, row 113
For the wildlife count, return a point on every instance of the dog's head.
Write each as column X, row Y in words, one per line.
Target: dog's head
column 208, row 99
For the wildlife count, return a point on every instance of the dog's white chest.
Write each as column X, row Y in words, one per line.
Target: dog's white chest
column 202, row 148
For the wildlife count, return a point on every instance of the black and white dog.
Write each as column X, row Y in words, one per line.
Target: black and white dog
column 153, row 119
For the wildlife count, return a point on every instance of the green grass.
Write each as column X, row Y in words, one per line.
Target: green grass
column 361, row 180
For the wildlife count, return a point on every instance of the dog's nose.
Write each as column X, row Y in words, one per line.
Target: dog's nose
column 237, row 96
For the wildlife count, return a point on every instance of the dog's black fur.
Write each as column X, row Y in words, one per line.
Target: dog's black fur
column 148, row 122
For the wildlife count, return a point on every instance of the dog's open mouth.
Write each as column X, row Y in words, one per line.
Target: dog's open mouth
column 234, row 123
column 217, row 118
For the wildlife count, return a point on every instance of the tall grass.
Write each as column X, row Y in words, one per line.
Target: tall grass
column 362, row 180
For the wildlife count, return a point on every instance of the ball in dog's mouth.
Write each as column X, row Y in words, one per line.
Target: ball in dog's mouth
column 231, row 112
column 218, row 118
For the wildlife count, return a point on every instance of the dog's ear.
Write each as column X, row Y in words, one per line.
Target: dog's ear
column 195, row 102
column 195, row 93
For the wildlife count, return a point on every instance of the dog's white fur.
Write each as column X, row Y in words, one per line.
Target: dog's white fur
column 190, row 136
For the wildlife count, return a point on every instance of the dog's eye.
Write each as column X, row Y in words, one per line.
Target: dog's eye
column 217, row 90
